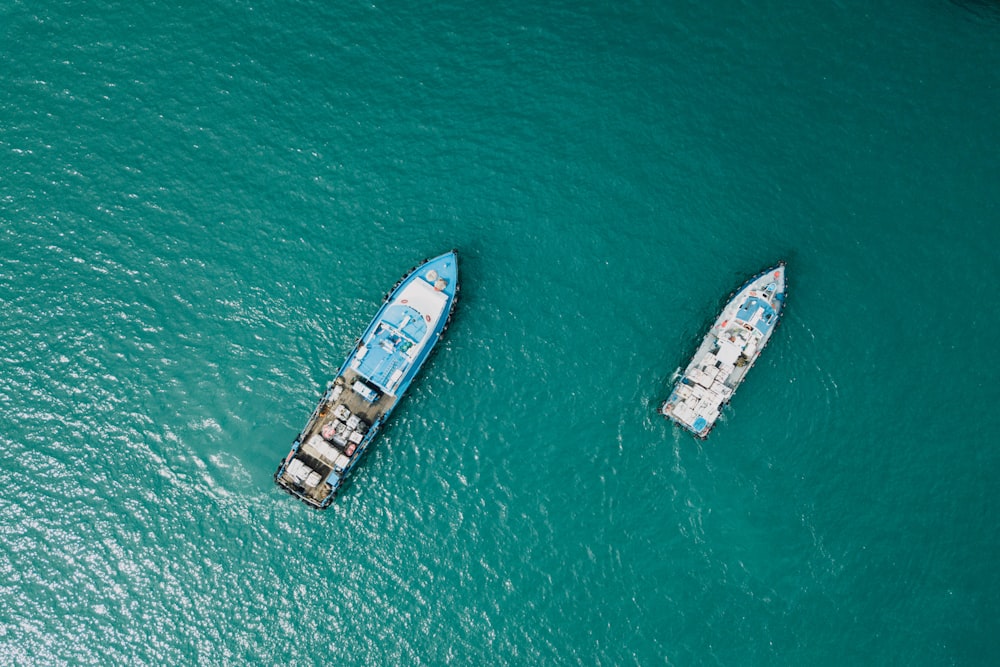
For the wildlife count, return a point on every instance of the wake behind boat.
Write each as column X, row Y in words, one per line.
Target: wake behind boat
column 371, row 381
column 731, row 347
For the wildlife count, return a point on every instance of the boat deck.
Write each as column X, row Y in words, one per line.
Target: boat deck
column 391, row 347
column 335, row 437
column 385, row 356
column 356, row 403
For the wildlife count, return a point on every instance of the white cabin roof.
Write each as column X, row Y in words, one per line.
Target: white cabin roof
column 424, row 298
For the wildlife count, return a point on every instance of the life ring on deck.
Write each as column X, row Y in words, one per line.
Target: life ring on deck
column 427, row 317
column 404, row 301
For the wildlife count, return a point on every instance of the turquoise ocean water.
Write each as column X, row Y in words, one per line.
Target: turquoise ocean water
column 202, row 204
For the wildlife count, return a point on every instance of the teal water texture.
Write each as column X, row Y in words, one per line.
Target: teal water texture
column 202, row 204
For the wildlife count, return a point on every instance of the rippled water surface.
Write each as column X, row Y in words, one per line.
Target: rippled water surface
column 201, row 207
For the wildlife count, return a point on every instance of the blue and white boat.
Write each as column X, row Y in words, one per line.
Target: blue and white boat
column 368, row 386
column 733, row 344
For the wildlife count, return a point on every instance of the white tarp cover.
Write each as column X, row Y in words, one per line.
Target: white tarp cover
column 298, row 470
column 322, row 448
column 721, row 389
column 684, row 413
column 728, row 352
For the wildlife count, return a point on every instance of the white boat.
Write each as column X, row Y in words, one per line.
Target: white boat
column 733, row 344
